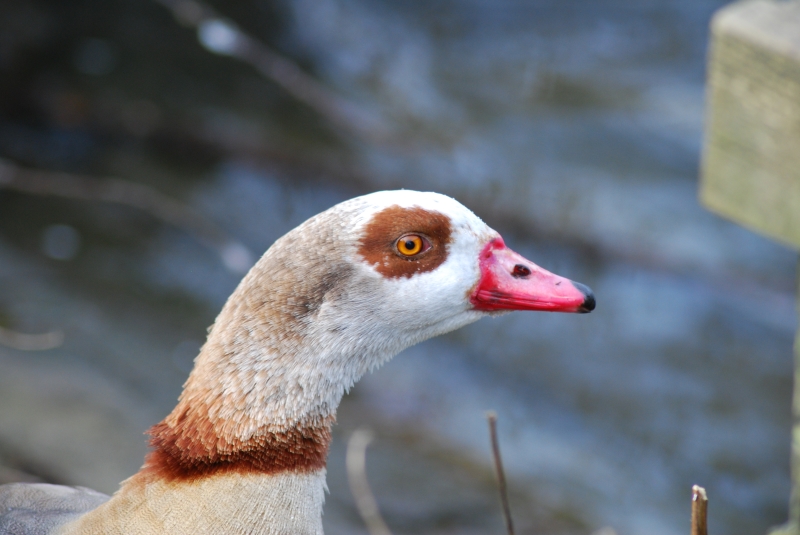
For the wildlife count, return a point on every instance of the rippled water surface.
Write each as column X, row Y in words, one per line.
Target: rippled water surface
column 573, row 128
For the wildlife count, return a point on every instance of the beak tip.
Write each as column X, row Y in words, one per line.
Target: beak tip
column 588, row 298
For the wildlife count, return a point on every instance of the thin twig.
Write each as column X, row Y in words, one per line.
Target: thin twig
column 491, row 416
column 235, row 255
column 699, row 511
column 30, row 342
column 359, row 486
column 222, row 36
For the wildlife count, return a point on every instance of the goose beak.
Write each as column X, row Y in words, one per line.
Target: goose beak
column 511, row 282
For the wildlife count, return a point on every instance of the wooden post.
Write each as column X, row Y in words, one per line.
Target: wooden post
column 751, row 154
column 751, row 161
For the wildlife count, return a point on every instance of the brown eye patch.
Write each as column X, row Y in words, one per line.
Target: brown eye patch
column 378, row 245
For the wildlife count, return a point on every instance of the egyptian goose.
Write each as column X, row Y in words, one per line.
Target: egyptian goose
column 244, row 450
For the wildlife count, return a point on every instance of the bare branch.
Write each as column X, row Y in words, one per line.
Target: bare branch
column 491, row 416
column 234, row 254
column 222, row 36
column 30, row 342
column 699, row 511
column 359, row 486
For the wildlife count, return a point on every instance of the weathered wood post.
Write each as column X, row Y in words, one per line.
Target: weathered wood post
column 751, row 156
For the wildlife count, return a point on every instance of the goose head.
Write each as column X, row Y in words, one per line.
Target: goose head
column 422, row 264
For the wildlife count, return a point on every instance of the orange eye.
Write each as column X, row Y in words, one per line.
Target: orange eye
column 412, row 244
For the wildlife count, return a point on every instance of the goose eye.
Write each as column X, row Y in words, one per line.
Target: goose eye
column 412, row 244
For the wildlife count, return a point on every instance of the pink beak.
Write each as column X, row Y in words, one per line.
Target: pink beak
column 510, row 282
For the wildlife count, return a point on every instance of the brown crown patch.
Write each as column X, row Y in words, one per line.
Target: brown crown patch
column 188, row 451
column 378, row 245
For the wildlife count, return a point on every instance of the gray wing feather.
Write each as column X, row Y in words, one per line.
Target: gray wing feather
column 39, row 508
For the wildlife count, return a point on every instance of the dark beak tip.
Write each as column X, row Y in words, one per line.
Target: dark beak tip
column 588, row 301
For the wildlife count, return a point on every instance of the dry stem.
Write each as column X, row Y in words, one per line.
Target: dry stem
column 222, row 36
column 30, row 342
column 699, row 511
column 491, row 416
column 359, row 486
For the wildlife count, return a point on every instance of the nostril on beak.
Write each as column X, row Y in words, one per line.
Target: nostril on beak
column 520, row 271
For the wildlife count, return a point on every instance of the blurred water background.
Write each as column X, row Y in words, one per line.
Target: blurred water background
column 572, row 127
